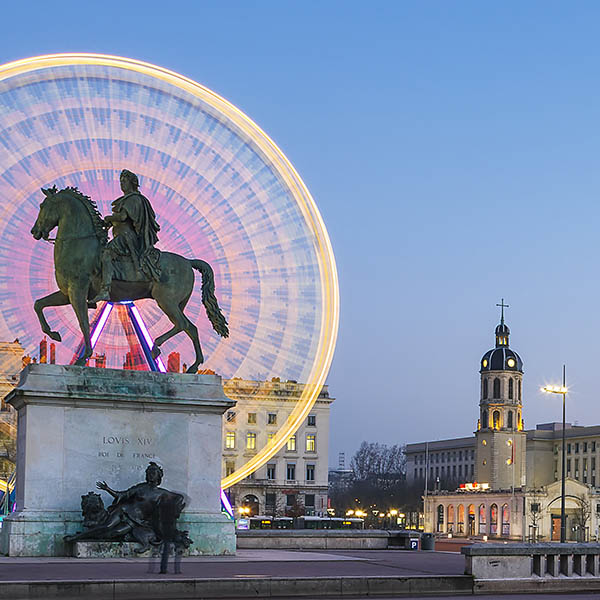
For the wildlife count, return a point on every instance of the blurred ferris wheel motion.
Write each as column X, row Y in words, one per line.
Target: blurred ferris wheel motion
column 221, row 189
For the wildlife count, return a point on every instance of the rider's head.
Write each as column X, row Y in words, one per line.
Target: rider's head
column 154, row 474
column 129, row 181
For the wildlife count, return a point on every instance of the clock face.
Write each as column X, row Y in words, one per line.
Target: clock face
column 484, row 363
column 511, row 362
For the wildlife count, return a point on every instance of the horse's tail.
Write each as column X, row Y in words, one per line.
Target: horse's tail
column 215, row 316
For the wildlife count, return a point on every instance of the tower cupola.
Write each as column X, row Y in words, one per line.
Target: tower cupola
column 501, row 358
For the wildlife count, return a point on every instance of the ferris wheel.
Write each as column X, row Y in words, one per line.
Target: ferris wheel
column 221, row 189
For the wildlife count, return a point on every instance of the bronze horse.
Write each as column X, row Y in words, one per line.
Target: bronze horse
column 81, row 235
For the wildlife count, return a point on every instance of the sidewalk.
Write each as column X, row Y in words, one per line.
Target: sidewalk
column 252, row 573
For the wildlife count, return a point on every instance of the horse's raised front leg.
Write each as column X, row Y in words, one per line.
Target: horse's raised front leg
column 54, row 299
column 78, row 297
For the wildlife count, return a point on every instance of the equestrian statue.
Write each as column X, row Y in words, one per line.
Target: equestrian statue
column 89, row 268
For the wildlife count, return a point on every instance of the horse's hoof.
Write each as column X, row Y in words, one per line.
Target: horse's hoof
column 55, row 336
column 155, row 352
column 192, row 369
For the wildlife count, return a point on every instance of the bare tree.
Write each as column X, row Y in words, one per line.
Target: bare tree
column 373, row 460
column 582, row 515
column 535, row 514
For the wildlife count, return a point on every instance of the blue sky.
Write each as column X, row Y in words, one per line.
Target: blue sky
column 452, row 148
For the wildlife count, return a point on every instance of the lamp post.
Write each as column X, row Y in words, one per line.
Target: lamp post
column 555, row 389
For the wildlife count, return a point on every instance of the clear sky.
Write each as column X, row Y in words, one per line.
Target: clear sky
column 452, row 148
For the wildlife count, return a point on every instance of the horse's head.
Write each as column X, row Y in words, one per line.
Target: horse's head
column 48, row 216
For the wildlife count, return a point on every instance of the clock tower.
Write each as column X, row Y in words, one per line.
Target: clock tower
column 500, row 450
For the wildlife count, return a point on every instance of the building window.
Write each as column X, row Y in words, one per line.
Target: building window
column 251, row 418
column 310, row 472
column 250, row 441
column 593, row 446
column 485, row 388
column 585, row 447
column 290, row 499
column 568, row 448
column 230, row 440
column 576, row 447
column 291, row 472
column 230, row 416
column 510, row 418
column 519, row 386
column 271, row 471
column 311, row 442
column 510, row 388
column 312, row 420
column 496, row 388
column 291, row 444
column 309, row 500
column 270, row 437
column 270, row 500
column 460, row 470
column 229, row 467
column 569, row 466
column 271, row 419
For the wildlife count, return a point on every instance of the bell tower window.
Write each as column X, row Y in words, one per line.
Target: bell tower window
column 510, row 388
column 519, row 386
column 485, row 388
column 510, row 419
column 484, row 419
column 496, row 388
column 496, row 419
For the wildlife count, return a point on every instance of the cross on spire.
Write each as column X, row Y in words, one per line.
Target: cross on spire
column 503, row 307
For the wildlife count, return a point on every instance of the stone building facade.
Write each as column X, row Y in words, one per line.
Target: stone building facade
column 510, row 484
column 295, row 480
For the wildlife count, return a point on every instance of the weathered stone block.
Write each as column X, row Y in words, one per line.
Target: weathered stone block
column 78, row 425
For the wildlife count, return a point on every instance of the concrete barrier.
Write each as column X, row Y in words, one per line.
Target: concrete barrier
column 309, row 539
column 533, row 567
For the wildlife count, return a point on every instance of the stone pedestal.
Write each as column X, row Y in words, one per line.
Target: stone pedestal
column 79, row 425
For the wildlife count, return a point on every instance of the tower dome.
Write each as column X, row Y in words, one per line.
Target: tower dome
column 501, row 358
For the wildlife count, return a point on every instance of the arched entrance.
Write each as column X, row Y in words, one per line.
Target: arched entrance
column 482, row 520
column 440, row 518
column 450, row 518
column 494, row 519
column 251, row 502
column 471, row 522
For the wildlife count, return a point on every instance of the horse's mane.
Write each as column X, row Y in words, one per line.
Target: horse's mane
column 92, row 208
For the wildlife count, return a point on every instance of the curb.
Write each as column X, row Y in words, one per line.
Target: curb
column 263, row 587
column 537, row 585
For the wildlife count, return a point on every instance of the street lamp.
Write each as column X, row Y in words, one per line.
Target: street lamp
column 556, row 389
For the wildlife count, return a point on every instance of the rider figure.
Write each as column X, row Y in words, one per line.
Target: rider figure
column 134, row 234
